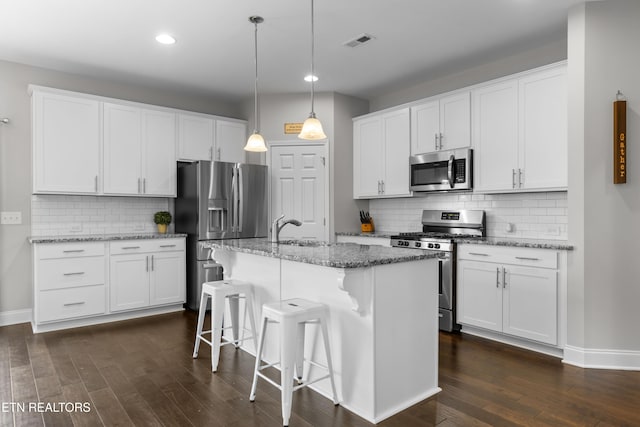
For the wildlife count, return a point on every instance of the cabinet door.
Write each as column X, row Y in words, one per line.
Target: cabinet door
column 395, row 159
column 480, row 294
column 229, row 141
column 122, row 149
column 167, row 278
column 530, row 299
column 367, row 157
column 455, row 121
column 129, row 281
column 425, row 127
column 66, row 149
column 543, row 129
column 195, row 137
column 495, row 136
column 159, row 153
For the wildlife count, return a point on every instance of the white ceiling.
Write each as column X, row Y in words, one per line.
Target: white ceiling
column 415, row 40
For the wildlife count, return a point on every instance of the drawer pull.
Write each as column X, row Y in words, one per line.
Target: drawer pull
column 131, row 247
column 478, row 254
column 524, row 258
column 69, row 304
column 71, row 251
column 78, row 273
column 167, row 246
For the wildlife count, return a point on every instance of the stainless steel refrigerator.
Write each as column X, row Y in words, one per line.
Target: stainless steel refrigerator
column 217, row 200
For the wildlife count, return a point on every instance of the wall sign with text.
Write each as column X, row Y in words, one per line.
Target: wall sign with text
column 620, row 142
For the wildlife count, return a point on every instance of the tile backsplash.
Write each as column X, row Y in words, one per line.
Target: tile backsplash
column 531, row 215
column 53, row 215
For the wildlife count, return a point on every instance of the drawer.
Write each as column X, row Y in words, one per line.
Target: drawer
column 145, row 245
column 69, row 250
column 62, row 304
column 531, row 257
column 72, row 272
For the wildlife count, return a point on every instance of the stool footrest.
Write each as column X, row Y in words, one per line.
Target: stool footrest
column 309, row 382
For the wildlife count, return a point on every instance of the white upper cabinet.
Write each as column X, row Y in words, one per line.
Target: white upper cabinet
column 195, row 137
column 381, row 155
column 231, row 136
column 520, row 133
column 441, row 124
column 543, row 129
column 495, row 136
column 139, row 151
column 202, row 137
column 66, row 144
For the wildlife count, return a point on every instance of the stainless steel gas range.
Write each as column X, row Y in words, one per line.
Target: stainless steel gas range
column 440, row 228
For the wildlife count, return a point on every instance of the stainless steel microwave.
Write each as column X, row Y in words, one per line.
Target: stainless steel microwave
column 447, row 170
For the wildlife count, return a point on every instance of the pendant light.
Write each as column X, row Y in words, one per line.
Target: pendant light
column 312, row 128
column 255, row 142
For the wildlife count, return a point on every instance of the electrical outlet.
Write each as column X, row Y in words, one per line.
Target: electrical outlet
column 11, row 218
column 138, row 227
column 76, row 228
column 552, row 230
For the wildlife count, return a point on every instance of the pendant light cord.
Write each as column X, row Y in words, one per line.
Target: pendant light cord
column 313, row 114
column 255, row 99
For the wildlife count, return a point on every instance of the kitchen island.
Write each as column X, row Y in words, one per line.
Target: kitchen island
column 383, row 314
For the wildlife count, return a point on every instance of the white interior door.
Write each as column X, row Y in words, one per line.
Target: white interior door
column 298, row 188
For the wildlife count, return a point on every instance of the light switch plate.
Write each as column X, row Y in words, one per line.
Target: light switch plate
column 10, row 218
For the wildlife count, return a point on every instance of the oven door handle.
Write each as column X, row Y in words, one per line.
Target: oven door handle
column 450, row 170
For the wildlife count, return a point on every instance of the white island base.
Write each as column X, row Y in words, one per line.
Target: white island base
column 383, row 326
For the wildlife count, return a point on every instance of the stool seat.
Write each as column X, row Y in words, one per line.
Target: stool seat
column 229, row 290
column 292, row 316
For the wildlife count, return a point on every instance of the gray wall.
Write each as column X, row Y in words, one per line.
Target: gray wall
column 526, row 60
column 604, row 218
column 15, row 158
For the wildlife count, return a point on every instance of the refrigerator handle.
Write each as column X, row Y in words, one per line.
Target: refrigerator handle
column 240, row 199
column 234, row 190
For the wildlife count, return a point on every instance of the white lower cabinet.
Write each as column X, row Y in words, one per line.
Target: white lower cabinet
column 146, row 273
column 79, row 283
column 513, row 291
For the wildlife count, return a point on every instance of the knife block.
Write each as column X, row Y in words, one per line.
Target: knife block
column 367, row 228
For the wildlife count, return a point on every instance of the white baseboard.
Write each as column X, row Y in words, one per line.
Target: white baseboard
column 514, row 341
column 15, row 316
column 626, row 360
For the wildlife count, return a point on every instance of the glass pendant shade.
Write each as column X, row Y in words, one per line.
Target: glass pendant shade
column 312, row 129
column 255, row 143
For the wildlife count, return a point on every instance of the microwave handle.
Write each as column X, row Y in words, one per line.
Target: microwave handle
column 450, row 170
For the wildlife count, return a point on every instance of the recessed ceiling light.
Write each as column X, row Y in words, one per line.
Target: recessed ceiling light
column 308, row 78
column 165, row 39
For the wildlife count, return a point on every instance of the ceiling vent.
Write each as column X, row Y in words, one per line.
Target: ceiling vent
column 359, row 40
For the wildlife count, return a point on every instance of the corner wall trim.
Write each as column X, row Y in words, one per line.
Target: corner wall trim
column 625, row 360
column 15, row 316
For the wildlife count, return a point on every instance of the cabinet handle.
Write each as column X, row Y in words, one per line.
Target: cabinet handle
column 78, row 273
column 167, row 246
column 147, row 260
column 513, row 178
column 378, row 186
column 131, row 247
column 70, row 251
column 504, row 277
column 478, row 254
column 524, row 258
column 74, row 303
column 144, row 185
column 497, row 277
column 218, row 154
column 440, row 136
column 519, row 178
column 151, row 262
column 435, row 139
column 138, row 185
column 382, row 186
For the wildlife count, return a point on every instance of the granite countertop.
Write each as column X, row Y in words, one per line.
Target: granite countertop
column 496, row 241
column 337, row 255
column 101, row 237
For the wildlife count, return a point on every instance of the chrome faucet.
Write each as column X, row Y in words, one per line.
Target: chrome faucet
column 276, row 227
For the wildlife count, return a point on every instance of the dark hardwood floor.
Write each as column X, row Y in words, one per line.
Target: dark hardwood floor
column 141, row 373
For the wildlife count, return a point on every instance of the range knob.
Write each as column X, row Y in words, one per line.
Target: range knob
column 418, row 244
column 437, row 246
column 430, row 245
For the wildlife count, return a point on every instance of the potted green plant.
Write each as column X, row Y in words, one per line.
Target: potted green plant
column 163, row 219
